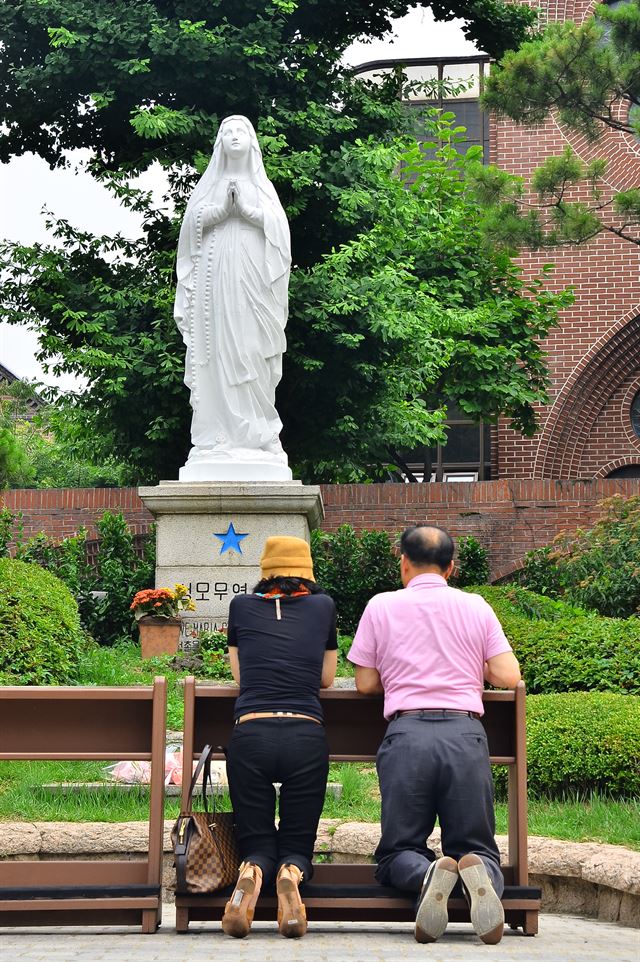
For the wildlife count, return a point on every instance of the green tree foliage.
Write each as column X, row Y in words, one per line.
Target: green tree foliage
column 412, row 309
column 598, row 568
column 41, row 639
column 352, row 567
column 562, row 648
column 149, row 81
column 588, row 74
column 144, row 81
column 16, row 467
column 37, row 448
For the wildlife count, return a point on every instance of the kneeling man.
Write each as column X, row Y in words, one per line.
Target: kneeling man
column 429, row 649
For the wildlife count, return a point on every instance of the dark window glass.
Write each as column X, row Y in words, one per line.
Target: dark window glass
column 487, row 442
column 463, row 444
column 635, row 415
column 468, row 449
column 629, row 471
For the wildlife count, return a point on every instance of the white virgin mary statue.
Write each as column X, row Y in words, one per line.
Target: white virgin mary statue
column 234, row 256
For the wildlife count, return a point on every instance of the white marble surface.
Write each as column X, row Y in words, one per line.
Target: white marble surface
column 234, row 257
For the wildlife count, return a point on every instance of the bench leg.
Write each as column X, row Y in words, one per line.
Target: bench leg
column 182, row 920
column 530, row 926
column 150, row 921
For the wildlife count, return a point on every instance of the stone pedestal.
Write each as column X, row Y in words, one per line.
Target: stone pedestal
column 210, row 536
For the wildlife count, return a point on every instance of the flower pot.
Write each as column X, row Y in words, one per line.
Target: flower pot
column 158, row 636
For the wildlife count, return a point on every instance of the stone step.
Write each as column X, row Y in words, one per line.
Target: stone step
column 220, row 788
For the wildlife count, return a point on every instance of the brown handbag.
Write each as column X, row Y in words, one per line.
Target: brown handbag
column 205, row 848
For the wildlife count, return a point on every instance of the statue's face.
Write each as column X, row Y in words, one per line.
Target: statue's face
column 236, row 139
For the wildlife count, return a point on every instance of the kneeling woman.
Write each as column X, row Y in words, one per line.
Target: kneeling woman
column 282, row 650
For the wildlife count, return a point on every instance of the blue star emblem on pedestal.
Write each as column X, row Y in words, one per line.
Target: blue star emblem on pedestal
column 230, row 539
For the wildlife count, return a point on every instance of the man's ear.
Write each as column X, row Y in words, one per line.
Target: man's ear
column 449, row 571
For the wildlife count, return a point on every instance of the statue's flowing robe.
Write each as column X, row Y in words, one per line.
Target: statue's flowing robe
column 231, row 307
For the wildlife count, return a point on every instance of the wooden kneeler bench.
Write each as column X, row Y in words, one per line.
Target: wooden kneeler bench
column 87, row 724
column 355, row 727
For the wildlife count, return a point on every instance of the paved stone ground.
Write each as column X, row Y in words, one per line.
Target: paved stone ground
column 561, row 939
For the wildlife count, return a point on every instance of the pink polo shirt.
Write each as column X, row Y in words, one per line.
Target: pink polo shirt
column 429, row 643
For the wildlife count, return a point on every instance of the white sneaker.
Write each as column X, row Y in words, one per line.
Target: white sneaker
column 487, row 913
column 431, row 914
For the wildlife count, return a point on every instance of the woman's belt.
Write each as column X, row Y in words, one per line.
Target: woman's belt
column 275, row 714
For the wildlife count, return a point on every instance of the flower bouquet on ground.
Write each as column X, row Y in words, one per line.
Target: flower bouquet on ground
column 157, row 611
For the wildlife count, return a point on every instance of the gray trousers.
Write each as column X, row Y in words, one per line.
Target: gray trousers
column 428, row 768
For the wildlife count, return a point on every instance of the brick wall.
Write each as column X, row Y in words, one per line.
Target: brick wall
column 595, row 354
column 509, row 517
column 60, row 512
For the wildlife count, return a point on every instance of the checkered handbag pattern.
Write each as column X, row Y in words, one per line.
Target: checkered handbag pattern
column 205, row 848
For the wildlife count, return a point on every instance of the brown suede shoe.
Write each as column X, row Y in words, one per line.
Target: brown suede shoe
column 292, row 915
column 487, row 913
column 239, row 910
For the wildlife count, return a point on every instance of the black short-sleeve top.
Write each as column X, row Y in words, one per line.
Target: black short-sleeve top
column 281, row 658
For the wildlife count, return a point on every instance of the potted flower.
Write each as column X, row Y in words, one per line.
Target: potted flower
column 157, row 611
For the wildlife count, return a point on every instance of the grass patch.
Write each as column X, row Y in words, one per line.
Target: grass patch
column 22, row 798
column 596, row 819
column 122, row 666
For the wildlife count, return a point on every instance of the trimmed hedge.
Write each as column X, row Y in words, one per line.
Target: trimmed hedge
column 562, row 648
column 581, row 743
column 41, row 638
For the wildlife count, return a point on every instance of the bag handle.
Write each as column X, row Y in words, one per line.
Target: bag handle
column 204, row 766
column 203, row 762
column 207, row 780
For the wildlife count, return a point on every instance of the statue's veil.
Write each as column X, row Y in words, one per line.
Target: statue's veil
column 276, row 228
column 273, row 266
column 216, row 168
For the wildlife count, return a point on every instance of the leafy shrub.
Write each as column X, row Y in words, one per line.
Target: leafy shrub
column 10, row 530
column 473, row 563
column 65, row 559
column 352, row 568
column 597, row 569
column 120, row 573
column 41, row 638
column 563, row 648
column 581, row 743
column 213, row 642
column 540, row 573
column 213, row 650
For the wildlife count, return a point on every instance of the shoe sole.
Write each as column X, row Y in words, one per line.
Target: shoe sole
column 432, row 915
column 292, row 915
column 238, row 913
column 487, row 913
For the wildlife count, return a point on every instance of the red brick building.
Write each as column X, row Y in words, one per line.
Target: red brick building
column 591, row 429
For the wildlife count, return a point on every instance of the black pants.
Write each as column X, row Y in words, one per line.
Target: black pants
column 428, row 768
column 294, row 752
